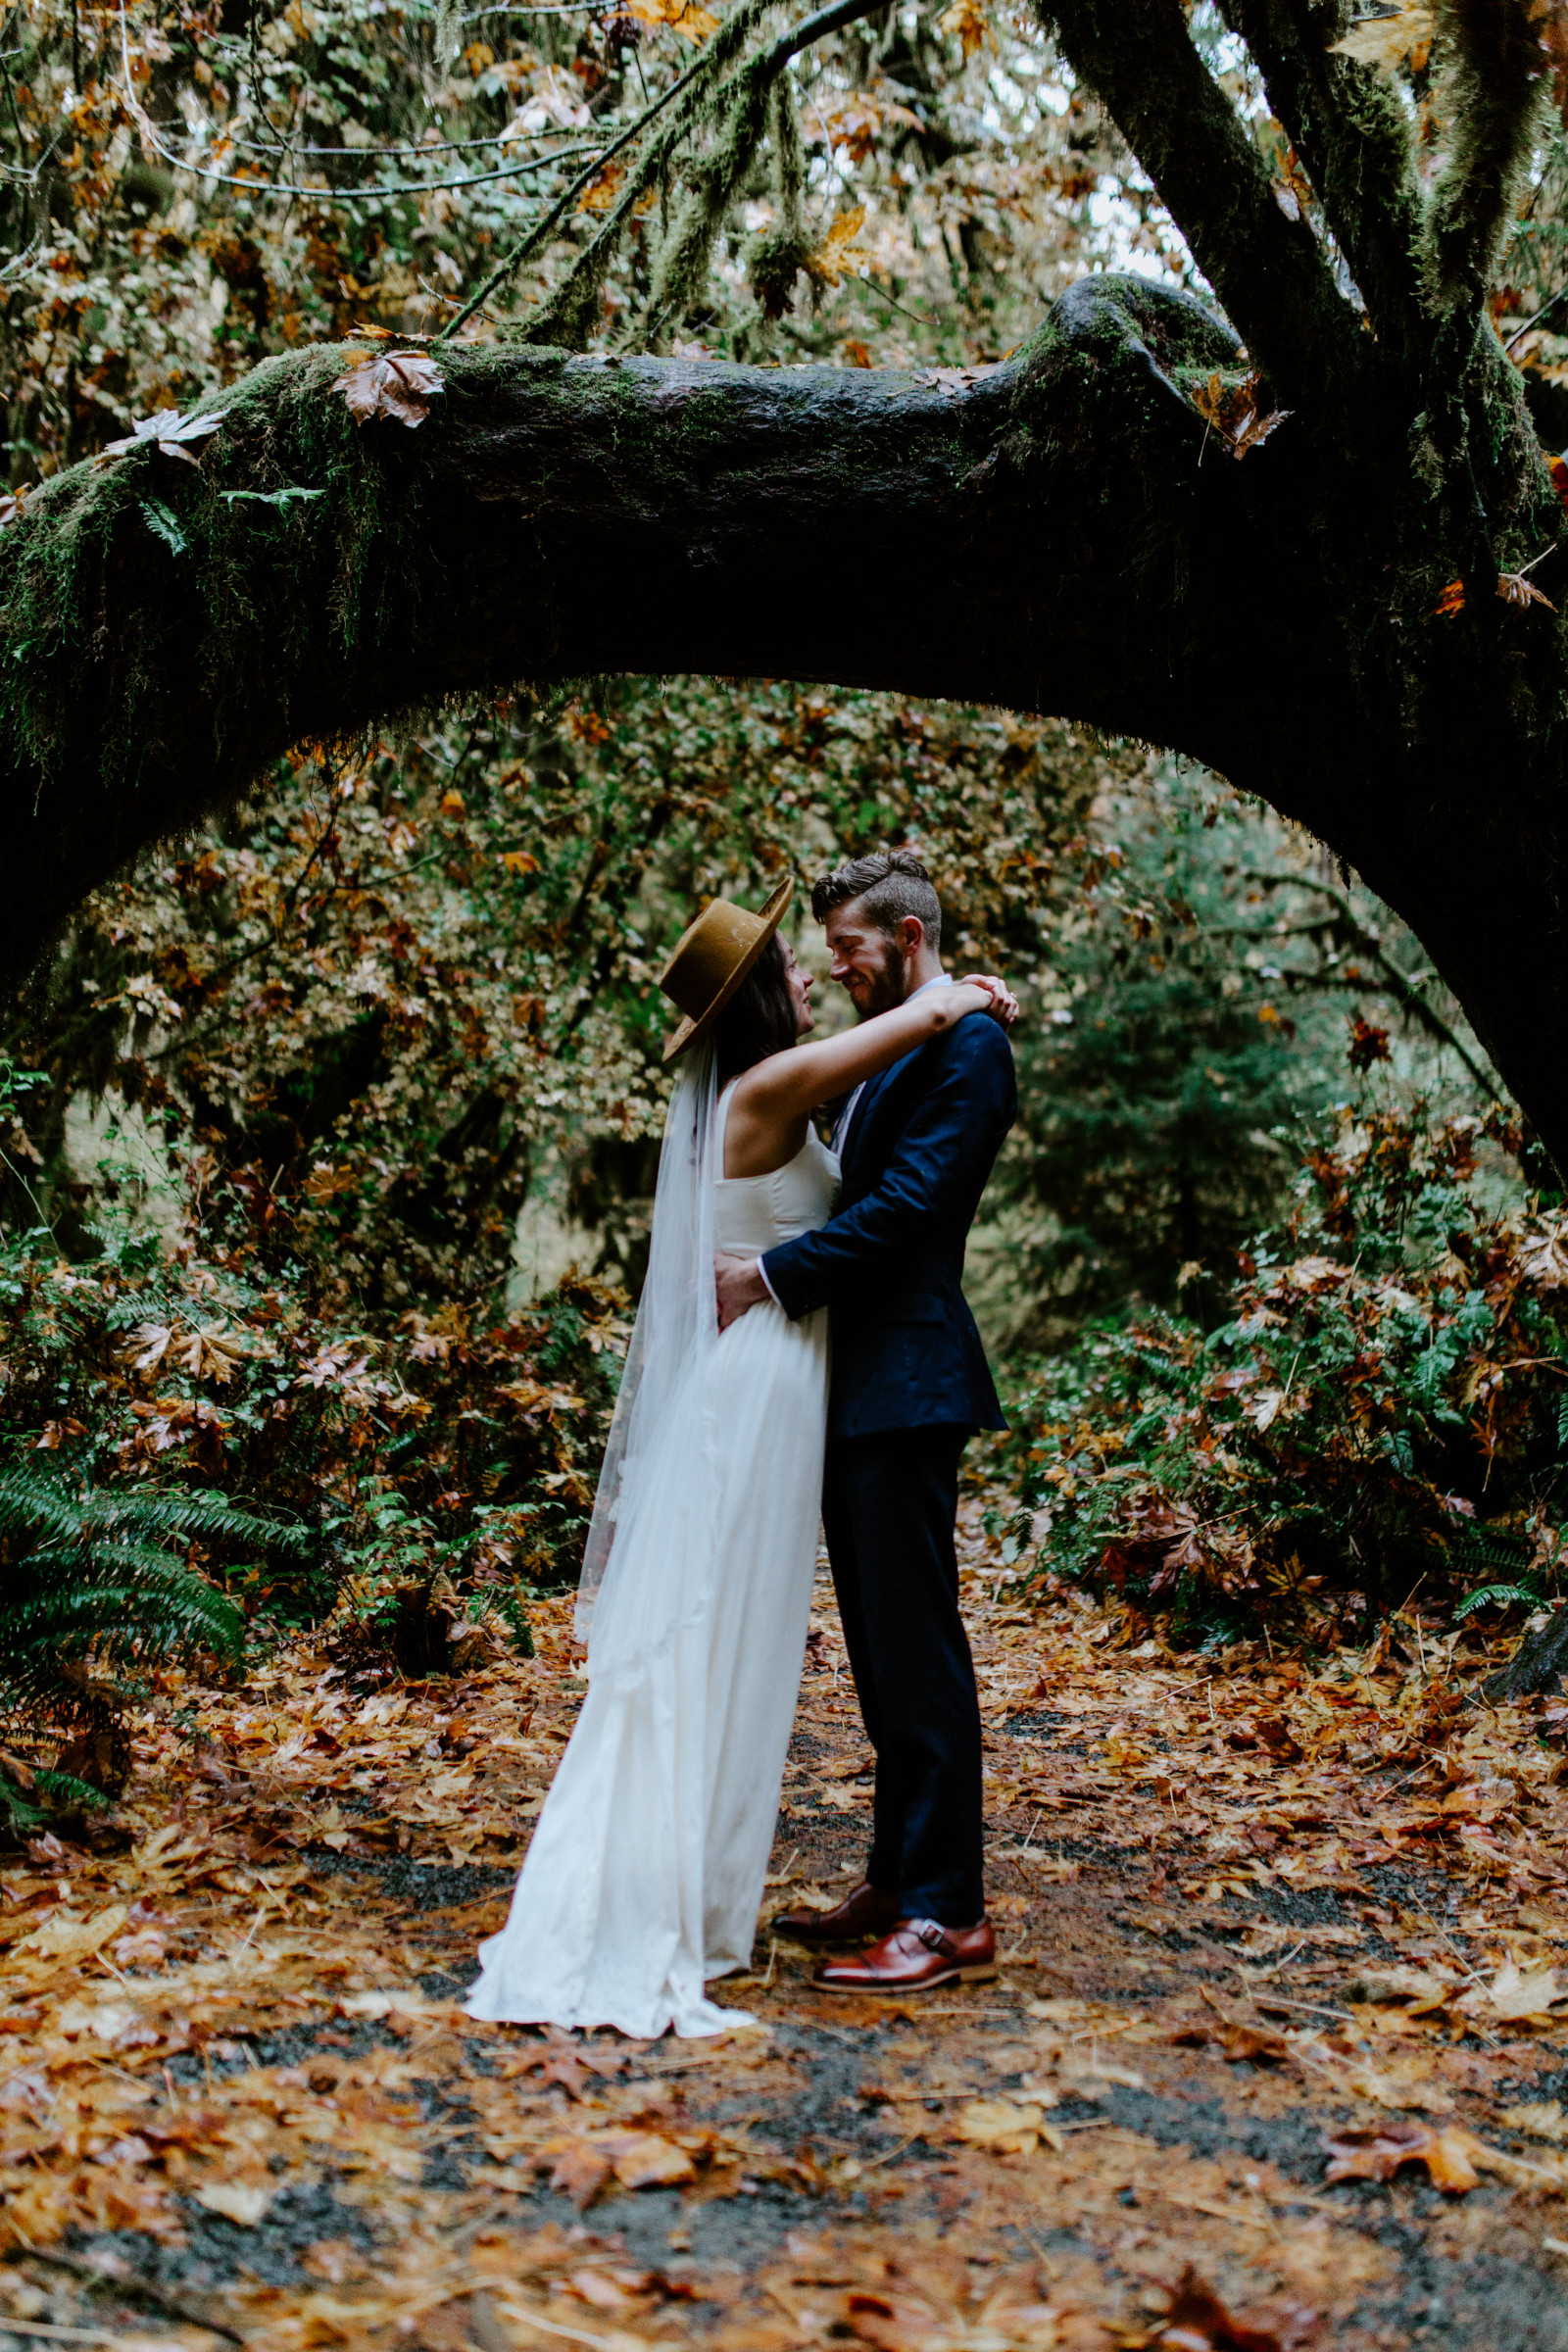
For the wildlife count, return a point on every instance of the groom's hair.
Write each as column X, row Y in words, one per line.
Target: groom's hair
column 888, row 886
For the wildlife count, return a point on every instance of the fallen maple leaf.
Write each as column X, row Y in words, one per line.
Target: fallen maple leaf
column 1199, row 2321
column 1513, row 1999
column 391, row 383
column 167, row 431
column 1377, row 2151
column 1232, row 410
column 1002, row 2124
column 69, row 1939
column 1451, row 601
column 1544, row 1257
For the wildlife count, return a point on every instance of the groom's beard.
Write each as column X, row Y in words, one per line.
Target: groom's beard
column 883, row 990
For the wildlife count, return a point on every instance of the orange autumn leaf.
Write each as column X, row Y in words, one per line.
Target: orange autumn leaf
column 1377, row 2151
column 1233, row 412
column 1199, row 2321
column 684, row 16
column 966, row 19
column 600, row 194
column 1451, row 601
column 837, row 252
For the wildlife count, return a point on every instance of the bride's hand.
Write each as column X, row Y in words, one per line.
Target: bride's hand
column 1003, row 1005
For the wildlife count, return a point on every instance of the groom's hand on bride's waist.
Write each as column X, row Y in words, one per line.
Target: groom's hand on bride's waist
column 740, row 1286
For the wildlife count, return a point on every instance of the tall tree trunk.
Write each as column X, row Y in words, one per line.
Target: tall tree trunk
column 1061, row 533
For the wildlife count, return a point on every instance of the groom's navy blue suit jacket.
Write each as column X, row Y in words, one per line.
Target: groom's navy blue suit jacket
column 890, row 1262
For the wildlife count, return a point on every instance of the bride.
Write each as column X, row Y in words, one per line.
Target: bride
column 646, row 1870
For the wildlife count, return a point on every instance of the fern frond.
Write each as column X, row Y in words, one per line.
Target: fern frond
column 1497, row 1596
column 38, row 1501
column 172, row 1512
column 118, row 1601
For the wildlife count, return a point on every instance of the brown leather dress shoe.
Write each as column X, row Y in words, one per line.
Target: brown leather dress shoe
column 867, row 1911
column 916, row 1956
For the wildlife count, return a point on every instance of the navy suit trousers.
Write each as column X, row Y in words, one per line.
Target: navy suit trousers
column 889, row 1503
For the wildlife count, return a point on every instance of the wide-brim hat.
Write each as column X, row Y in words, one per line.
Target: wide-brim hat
column 712, row 958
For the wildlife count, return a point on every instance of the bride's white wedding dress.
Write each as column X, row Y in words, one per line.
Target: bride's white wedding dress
column 645, row 1874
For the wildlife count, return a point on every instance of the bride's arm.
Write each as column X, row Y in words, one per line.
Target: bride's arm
column 786, row 1086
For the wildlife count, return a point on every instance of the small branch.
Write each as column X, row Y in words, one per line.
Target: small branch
column 1402, row 986
column 535, row 236
column 765, row 68
column 1347, row 124
column 1267, row 270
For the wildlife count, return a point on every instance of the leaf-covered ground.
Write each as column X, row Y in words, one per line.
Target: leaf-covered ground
column 1277, row 2054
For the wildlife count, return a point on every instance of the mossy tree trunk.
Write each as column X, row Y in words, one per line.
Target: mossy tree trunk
column 1062, row 533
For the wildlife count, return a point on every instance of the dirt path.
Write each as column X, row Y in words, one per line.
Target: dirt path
column 1249, row 1910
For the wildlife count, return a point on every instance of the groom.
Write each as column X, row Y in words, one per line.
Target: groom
column 910, row 1384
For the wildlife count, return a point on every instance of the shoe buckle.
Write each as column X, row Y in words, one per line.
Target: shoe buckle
column 934, row 1937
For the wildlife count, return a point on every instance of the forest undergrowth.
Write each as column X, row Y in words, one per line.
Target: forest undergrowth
column 1277, row 2054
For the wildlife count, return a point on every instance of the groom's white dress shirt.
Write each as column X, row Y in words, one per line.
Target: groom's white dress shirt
column 841, row 1127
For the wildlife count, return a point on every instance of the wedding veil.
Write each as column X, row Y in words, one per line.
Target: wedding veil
column 658, row 1485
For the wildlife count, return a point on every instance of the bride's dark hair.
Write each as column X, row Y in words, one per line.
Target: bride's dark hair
column 760, row 1017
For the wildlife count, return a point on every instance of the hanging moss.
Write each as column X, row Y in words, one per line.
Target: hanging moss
column 1492, row 82
column 775, row 258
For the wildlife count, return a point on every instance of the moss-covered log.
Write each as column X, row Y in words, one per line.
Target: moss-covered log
column 1064, row 532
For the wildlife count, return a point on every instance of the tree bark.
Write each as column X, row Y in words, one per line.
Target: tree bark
column 1061, row 533
column 1536, row 1665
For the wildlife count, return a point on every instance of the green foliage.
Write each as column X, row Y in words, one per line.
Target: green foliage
column 93, row 1590
column 1190, row 1027
column 1380, row 1408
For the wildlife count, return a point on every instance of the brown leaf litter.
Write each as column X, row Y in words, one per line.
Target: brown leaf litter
column 1283, row 1961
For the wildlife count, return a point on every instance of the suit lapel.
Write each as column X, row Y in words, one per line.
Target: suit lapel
column 856, row 1126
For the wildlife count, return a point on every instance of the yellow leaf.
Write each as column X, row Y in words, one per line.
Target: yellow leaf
column 1001, row 2125
column 836, row 252
column 693, row 23
column 1384, row 42
column 71, row 1940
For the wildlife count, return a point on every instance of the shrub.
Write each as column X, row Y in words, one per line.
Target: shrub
column 1386, row 1402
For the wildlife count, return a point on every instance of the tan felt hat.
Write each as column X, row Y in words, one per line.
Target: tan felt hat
column 711, row 959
